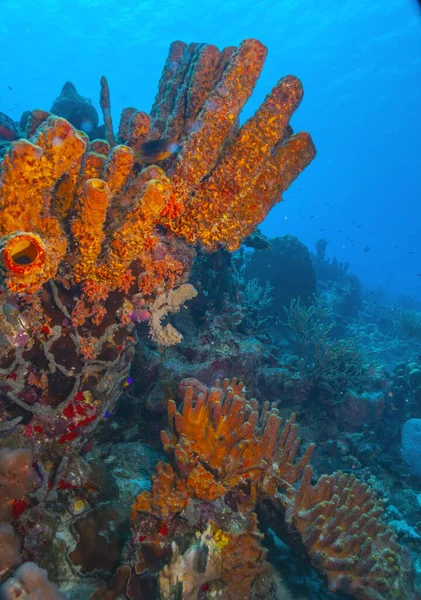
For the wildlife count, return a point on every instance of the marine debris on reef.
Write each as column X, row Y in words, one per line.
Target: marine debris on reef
column 92, row 241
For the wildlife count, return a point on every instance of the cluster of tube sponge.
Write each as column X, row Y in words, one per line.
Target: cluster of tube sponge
column 225, row 457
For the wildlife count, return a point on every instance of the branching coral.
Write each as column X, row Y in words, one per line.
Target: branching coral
column 331, row 364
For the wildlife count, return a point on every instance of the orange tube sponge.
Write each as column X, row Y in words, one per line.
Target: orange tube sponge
column 169, row 494
column 226, row 431
column 27, row 261
column 123, row 127
column 105, row 104
column 87, row 227
column 23, row 254
column 203, row 146
column 226, row 178
column 92, row 167
column 173, row 73
column 219, row 441
column 226, row 455
column 30, row 171
column 138, row 129
column 118, row 167
column 128, row 241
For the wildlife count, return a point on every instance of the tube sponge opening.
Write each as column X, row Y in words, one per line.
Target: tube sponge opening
column 23, row 253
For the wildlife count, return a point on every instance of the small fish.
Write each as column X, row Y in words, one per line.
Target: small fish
column 10, row 88
column 157, row 150
column 366, row 249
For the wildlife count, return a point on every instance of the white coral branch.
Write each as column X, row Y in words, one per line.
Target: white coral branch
column 165, row 304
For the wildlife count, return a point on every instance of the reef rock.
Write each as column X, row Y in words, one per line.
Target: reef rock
column 79, row 111
column 287, row 267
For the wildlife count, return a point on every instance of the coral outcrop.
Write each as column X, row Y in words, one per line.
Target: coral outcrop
column 286, row 265
column 225, row 457
column 83, row 249
column 76, row 109
column 30, row 583
column 17, row 479
column 339, row 521
column 95, row 238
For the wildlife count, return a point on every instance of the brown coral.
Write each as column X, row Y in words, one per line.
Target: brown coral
column 339, row 521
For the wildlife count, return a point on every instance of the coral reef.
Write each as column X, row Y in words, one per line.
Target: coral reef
column 406, row 388
column 328, row 363
column 66, row 298
column 411, row 444
column 94, row 241
column 287, row 267
column 225, row 455
column 8, row 129
column 81, row 255
column 225, row 459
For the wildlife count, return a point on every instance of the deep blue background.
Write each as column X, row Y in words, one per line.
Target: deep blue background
column 360, row 63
